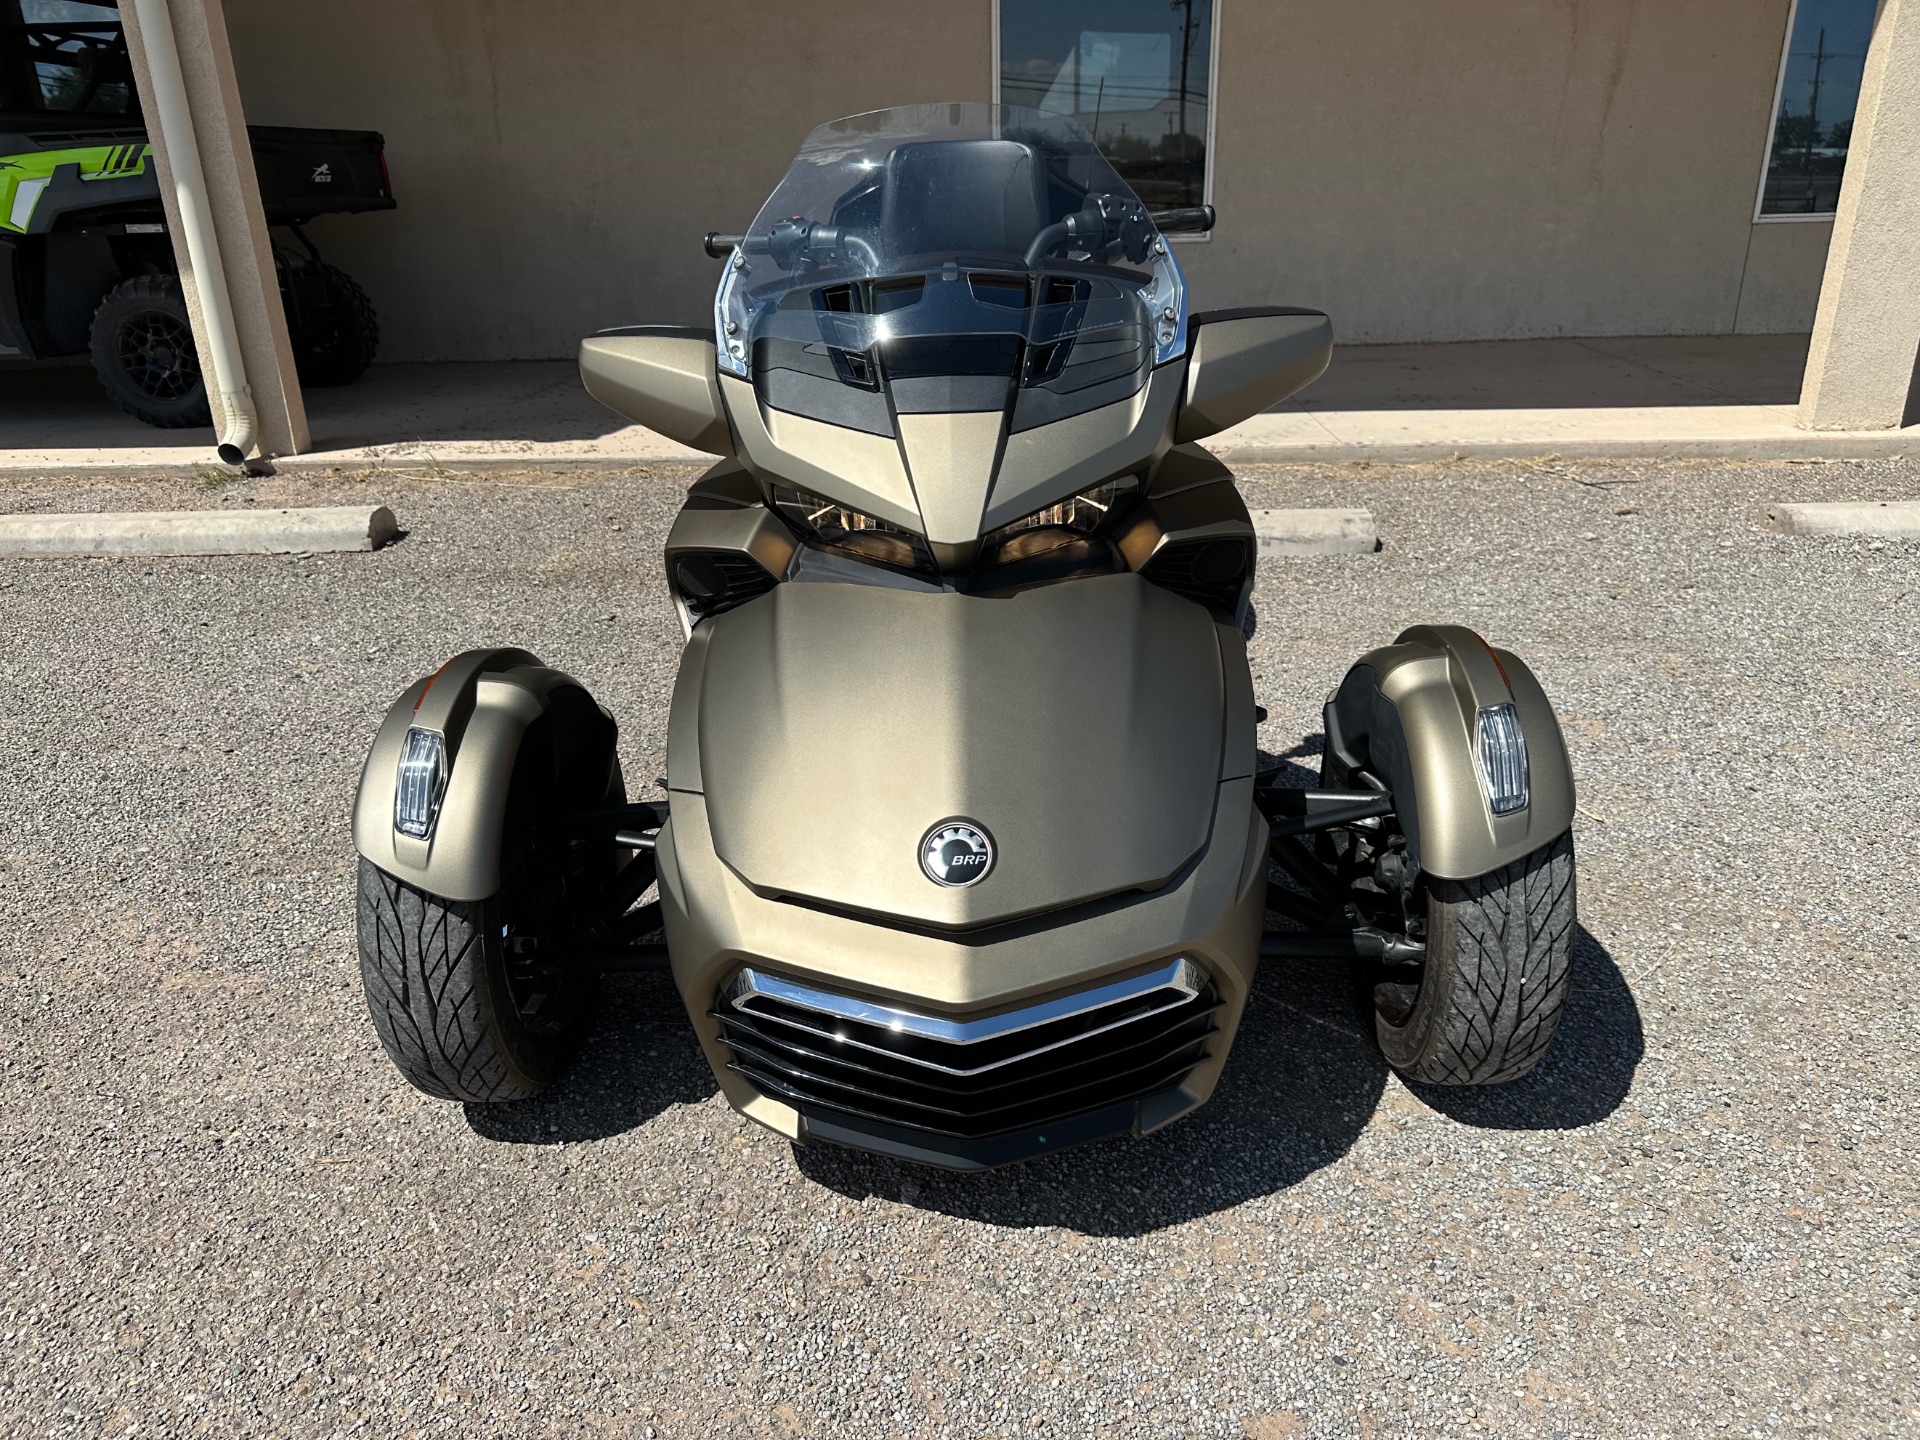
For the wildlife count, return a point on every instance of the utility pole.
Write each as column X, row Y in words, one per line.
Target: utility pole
column 1186, row 51
column 1813, row 111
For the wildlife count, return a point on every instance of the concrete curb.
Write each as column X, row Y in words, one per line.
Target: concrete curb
column 1896, row 519
column 1741, row 433
column 1315, row 532
column 199, row 532
column 1812, row 446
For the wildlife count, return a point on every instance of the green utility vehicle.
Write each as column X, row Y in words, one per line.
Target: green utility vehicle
column 86, row 264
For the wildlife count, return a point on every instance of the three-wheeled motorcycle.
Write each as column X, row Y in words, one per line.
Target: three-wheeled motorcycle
column 966, row 852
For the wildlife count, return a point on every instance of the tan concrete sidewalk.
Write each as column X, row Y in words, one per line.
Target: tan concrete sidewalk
column 1722, row 396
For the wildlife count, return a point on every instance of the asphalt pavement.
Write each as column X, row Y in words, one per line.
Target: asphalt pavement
column 223, row 1214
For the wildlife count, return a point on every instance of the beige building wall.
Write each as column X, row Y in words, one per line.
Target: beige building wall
column 1780, row 286
column 1488, row 169
column 557, row 164
column 1483, row 169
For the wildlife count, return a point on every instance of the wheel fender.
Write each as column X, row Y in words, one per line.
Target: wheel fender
column 1406, row 712
column 484, row 703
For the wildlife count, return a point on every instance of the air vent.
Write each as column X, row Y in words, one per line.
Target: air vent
column 844, row 299
column 854, row 367
column 1209, row 572
column 711, row 581
column 836, row 1054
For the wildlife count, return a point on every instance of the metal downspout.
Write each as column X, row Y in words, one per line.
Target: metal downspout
column 233, row 413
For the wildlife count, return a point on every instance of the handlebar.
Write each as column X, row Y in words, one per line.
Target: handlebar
column 1108, row 222
column 1188, row 220
column 791, row 241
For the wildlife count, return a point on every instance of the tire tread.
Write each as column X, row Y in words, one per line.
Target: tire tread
column 426, row 971
column 1501, row 957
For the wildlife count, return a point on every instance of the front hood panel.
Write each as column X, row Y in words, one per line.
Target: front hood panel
column 1079, row 724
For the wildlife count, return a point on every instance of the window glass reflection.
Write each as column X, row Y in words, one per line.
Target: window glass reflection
column 63, row 57
column 1136, row 73
column 1819, row 90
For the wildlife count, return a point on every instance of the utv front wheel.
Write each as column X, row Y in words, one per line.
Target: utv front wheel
column 458, row 1010
column 143, row 352
column 1484, row 1006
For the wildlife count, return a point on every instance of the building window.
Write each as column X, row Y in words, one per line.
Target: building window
column 1813, row 114
column 63, row 56
column 1137, row 73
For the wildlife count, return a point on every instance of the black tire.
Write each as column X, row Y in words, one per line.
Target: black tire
column 442, row 1001
column 142, row 348
column 337, row 342
column 463, row 1007
column 1494, row 985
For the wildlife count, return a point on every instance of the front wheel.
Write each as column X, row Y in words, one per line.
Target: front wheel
column 1484, row 1006
column 454, row 1002
column 143, row 352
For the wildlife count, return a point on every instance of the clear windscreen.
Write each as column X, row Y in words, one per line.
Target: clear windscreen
column 1002, row 232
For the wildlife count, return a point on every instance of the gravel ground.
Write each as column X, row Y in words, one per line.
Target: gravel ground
column 224, row 1214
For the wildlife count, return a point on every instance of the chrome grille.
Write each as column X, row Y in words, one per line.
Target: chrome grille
column 827, row 1052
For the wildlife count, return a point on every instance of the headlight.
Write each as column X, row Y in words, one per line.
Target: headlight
column 1072, row 521
column 853, row 532
column 730, row 316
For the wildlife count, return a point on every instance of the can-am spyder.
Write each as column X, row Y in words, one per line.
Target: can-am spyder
column 966, row 853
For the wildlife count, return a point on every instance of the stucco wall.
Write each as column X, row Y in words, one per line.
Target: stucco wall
column 1493, row 168
column 1781, row 287
column 557, row 164
column 1484, row 169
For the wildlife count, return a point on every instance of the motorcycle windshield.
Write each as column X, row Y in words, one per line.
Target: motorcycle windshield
column 949, row 251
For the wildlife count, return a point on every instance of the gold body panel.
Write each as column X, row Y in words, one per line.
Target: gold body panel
column 1101, row 730
column 1246, row 361
column 1212, row 914
column 1082, row 725
column 663, row 378
column 482, row 703
column 1411, row 706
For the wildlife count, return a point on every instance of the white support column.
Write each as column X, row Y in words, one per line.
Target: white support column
column 239, row 223
column 1865, row 362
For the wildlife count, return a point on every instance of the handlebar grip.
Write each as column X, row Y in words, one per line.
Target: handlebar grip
column 720, row 246
column 1188, row 220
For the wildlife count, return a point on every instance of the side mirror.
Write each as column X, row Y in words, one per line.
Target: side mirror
column 1243, row 361
column 662, row 377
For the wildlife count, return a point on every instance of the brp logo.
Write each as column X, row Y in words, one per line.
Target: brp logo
column 956, row 853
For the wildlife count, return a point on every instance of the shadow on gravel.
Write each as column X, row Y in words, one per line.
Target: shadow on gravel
column 1301, row 1083
column 640, row 1058
column 1586, row 1072
column 1281, row 769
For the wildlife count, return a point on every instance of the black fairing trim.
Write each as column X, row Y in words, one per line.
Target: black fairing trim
column 1247, row 312
column 811, row 380
column 674, row 332
column 1364, row 733
column 1210, row 571
column 713, row 581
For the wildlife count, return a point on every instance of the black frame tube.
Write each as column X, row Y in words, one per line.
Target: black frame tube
column 1360, row 944
column 1334, row 818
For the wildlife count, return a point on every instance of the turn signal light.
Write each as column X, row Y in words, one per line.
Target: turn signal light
column 421, row 783
column 1502, row 751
